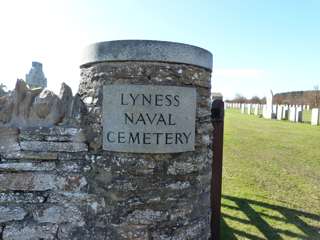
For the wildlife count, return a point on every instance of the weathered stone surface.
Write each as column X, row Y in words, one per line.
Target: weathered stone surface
column 25, row 107
column 25, row 155
column 53, row 146
column 46, row 109
column 70, row 167
column 21, row 197
column 93, row 201
column 54, row 134
column 66, row 99
column 195, row 230
column 69, row 156
column 9, row 140
column 147, row 51
column 34, row 107
column 68, row 231
column 73, row 107
column 133, row 231
column 27, row 166
column 78, row 111
column 6, row 108
column 21, row 98
column 30, row 231
column 184, row 165
column 160, row 119
column 71, row 183
column 179, row 185
column 30, row 181
column 27, row 181
column 145, row 217
column 10, row 213
column 59, row 214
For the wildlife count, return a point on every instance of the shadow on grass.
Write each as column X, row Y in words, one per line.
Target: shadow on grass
column 276, row 215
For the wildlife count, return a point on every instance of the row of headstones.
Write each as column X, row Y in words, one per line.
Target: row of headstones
column 292, row 113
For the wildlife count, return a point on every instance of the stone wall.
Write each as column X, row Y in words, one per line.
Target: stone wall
column 43, row 185
column 57, row 182
column 151, row 196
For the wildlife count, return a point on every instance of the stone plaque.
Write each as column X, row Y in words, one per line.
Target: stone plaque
column 148, row 118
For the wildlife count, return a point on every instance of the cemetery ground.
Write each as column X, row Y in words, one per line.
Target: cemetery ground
column 271, row 179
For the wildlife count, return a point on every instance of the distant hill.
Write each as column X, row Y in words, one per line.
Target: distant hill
column 311, row 98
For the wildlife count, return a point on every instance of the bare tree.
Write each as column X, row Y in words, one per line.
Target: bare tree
column 256, row 99
column 239, row 98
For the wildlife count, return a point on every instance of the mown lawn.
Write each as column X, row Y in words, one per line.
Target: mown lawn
column 271, row 179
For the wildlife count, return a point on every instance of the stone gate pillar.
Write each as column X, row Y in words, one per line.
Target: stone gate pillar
column 149, row 136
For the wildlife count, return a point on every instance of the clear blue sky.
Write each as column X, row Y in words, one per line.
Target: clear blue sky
column 257, row 45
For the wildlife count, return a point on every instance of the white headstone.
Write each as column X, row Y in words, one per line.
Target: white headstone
column 292, row 114
column 268, row 112
column 264, row 110
column 274, row 110
column 280, row 110
column 249, row 106
column 315, row 116
column 243, row 108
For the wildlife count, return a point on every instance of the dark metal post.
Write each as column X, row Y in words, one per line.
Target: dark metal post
column 217, row 115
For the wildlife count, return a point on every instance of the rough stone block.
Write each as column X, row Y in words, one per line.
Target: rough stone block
column 30, row 155
column 65, row 156
column 195, row 230
column 9, row 213
column 26, row 182
column 53, row 146
column 21, row 197
column 55, row 134
column 145, row 217
column 139, row 232
column 71, row 183
column 59, row 214
column 27, row 166
column 9, row 140
column 28, row 231
column 73, row 167
column 30, row 181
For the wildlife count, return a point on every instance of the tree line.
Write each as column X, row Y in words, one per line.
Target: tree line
column 242, row 99
column 311, row 98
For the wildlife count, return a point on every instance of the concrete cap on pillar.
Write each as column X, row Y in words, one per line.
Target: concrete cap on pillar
column 146, row 50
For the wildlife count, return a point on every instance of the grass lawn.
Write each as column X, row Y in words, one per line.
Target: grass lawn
column 271, row 179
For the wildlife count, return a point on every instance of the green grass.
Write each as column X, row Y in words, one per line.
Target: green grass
column 271, row 179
